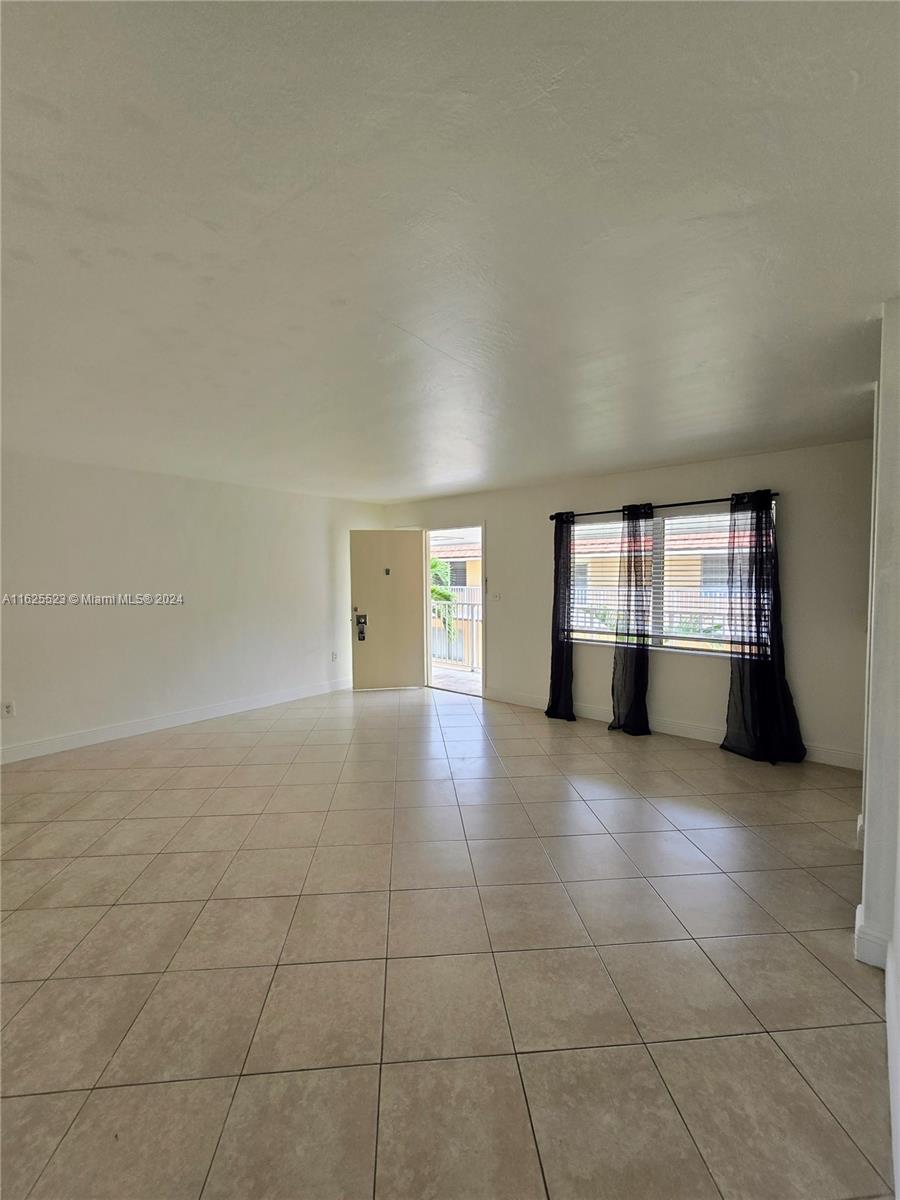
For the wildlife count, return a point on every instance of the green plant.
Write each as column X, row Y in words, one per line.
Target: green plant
column 604, row 617
column 440, row 591
column 440, row 580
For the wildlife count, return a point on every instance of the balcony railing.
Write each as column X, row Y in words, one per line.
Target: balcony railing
column 685, row 616
column 456, row 634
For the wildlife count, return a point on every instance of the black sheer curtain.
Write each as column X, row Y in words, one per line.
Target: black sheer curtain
column 762, row 722
column 560, row 703
column 631, row 664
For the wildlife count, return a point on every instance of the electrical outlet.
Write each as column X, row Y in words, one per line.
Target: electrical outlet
column 334, row 656
column 8, row 708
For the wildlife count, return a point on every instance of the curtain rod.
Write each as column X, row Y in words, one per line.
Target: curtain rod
column 608, row 512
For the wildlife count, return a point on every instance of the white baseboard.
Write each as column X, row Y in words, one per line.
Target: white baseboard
column 852, row 759
column 504, row 697
column 892, row 1018
column 869, row 945
column 702, row 733
column 187, row 716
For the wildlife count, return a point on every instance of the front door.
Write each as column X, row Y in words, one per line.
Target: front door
column 387, row 598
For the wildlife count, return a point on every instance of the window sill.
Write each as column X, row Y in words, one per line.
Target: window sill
column 722, row 654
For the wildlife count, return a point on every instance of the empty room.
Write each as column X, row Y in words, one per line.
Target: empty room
column 450, row 611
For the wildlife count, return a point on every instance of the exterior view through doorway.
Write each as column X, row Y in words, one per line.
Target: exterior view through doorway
column 456, row 605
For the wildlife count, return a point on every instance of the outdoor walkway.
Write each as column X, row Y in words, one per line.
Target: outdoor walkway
column 448, row 679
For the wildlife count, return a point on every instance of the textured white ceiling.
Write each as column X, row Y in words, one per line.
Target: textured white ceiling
column 393, row 250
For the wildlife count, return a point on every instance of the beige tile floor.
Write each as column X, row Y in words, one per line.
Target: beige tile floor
column 440, row 948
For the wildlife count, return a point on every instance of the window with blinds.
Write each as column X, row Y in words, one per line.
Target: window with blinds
column 595, row 580
column 689, row 606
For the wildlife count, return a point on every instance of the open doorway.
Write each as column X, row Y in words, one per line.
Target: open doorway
column 455, row 596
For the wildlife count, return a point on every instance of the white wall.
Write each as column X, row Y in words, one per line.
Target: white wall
column 823, row 531
column 265, row 578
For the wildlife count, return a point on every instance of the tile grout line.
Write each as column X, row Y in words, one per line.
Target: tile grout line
column 695, row 937
column 512, row 1040
column 683, row 1119
column 875, row 1019
column 793, row 934
column 262, row 1007
column 105, row 1087
column 818, row 958
column 387, row 935
column 822, row 1099
column 87, row 1095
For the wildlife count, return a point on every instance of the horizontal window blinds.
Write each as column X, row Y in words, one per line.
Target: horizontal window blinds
column 596, row 549
column 689, row 555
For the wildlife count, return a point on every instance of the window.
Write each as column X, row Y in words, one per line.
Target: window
column 694, row 593
column 457, row 572
column 595, row 580
column 714, row 574
column 689, row 606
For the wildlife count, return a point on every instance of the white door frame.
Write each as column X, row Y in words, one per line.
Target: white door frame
column 482, row 525
column 484, row 609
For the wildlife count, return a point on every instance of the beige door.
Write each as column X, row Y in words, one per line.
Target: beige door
column 387, row 588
